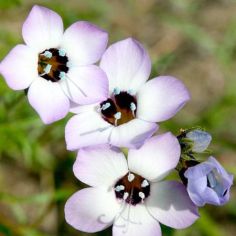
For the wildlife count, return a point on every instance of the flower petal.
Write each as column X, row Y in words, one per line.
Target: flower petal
column 135, row 220
column 91, row 209
column 48, row 100
column 161, row 98
column 43, row 29
column 127, row 65
column 132, row 134
column 86, row 129
column 199, row 170
column 100, row 165
column 196, row 189
column 19, row 67
column 156, row 158
column 170, row 204
column 84, row 43
column 86, row 84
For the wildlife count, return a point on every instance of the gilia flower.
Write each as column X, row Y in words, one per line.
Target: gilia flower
column 129, row 193
column 127, row 116
column 56, row 66
column 208, row 182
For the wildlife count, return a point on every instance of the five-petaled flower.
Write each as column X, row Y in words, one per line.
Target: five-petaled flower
column 129, row 193
column 208, row 182
column 128, row 116
column 56, row 66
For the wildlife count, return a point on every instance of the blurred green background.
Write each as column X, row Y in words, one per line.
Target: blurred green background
column 194, row 40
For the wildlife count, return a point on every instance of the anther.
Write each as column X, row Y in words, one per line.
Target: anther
column 47, row 69
column 106, row 105
column 126, row 195
column 62, row 75
column 62, row 52
column 119, row 188
column 144, row 183
column 47, row 54
column 133, row 108
column 69, row 64
column 116, row 91
column 141, row 195
column 131, row 92
column 131, row 177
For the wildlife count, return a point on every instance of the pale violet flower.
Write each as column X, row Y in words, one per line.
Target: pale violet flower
column 56, row 66
column 128, row 116
column 208, row 182
column 200, row 140
column 129, row 193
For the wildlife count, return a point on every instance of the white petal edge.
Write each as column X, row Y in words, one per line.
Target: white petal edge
column 86, row 129
column 132, row 134
column 156, row 158
column 84, row 43
column 91, row 209
column 85, row 84
column 100, row 165
column 48, row 100
column 19, row 67
column 161, row 98
column 170, row 204
column 43, row 29
column 126, row 64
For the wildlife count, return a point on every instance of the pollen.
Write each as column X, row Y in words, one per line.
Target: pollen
column 53, row 64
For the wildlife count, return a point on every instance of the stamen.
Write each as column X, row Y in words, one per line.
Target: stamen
column 141, row 195
column 116, row 91
column 106, row 105
column 117, row 117
column 144, row 183
column 126, row 195
column 119, row 188
column 62, row 75
column 47, row 54
column 47, row 69
column 133, row 108
column 69, row 64
column 131, row 177
column 62, row 52
column 131, row 92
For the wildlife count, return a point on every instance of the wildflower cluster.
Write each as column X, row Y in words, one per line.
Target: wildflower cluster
column 115, row 107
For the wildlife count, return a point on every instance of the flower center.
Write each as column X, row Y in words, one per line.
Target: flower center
column 53, row 64
column 120, row 108
column 132, row 188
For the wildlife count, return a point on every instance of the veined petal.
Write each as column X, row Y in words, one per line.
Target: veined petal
column 132, row 134
column 126, row 64
column 19, row 67
column 156, row 158
column 85, row 84
column 43, row 29
column 100, row 165
column 84, row 43
column 86, row 129
column 170, row 204
column 91, row 209
column 135, row 220
column 161, row 98
column 48, row 100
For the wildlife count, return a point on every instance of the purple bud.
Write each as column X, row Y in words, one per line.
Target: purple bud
column 200, row 139
column 208, row 182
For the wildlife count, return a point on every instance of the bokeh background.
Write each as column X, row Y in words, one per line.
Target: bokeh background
column 194, row 40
